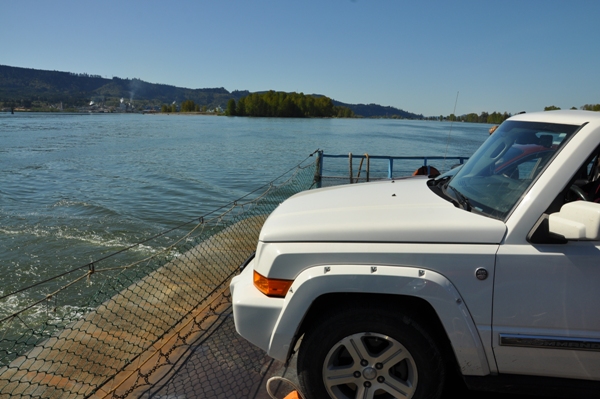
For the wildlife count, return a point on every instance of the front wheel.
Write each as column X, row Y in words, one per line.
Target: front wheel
column 369, row 353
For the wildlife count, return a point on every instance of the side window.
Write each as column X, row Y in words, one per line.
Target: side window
column 593, row 169
column 592, row 179
column 583, row 186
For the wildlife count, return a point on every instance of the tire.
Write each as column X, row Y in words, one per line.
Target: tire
column 369, row 353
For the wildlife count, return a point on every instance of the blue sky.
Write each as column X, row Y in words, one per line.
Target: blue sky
column 415, row 55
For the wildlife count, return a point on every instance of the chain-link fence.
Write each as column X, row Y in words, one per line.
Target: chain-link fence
column 122, row 326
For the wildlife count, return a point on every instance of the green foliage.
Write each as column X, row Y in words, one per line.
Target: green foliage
column 379, row 111
column 343, row 112
column 591, row 107
column 231, row 108
column 472, row 117
column 188, row 106
column 494, row 118
column 168, row 108
column 288, row 105
column 497, row 118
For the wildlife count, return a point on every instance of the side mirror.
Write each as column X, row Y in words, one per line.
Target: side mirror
column 577, row 220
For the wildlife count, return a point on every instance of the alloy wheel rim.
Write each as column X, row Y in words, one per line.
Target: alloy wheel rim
column 369, row 365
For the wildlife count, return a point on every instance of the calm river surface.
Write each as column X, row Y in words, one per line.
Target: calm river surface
column 75, row 187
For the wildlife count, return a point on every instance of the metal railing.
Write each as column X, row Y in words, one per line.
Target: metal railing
column 389, row 167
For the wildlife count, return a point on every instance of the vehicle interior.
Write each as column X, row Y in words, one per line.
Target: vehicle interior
column 584, row 186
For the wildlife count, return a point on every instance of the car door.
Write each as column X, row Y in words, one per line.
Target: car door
column 546, row 309
column 546, row 305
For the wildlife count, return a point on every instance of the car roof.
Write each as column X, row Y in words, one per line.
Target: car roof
column 569, row 117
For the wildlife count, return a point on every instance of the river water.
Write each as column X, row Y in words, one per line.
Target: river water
column 75, row 187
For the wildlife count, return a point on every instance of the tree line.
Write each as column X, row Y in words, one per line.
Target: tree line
column 286, row 105
column 586, row 107
column 496, row 118
column 186, row 106
column 493, row 118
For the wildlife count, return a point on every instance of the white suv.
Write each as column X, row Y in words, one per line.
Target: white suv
column 491, row 270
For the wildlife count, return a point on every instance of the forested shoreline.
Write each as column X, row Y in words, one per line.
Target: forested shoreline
column 31, row 90
column 286, row 105
column 497, row 118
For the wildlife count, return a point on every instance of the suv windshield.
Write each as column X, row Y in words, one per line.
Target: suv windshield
column 499, row 174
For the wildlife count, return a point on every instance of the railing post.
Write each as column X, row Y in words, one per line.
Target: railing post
column 368, row 165
column 319, row 169
column 350, row 164
column 390, row 168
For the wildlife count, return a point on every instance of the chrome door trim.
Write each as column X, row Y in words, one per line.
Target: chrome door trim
column 549, row 342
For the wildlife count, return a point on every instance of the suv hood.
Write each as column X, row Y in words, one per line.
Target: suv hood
column 388, row 211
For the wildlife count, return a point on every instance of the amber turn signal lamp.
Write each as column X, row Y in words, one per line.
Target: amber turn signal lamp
column 271, row 286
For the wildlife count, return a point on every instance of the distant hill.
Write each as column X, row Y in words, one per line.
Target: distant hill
column 25, row 86
column 18, row 84
column 378, row 111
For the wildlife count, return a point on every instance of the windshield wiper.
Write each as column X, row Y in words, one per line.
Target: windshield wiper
column 442, row 181
column 464, row 201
